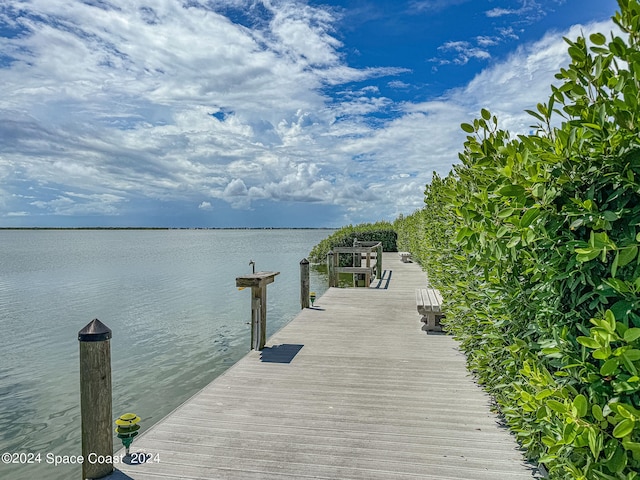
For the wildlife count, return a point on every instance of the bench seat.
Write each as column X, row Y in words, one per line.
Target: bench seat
column 429, row 305
column 405, row 256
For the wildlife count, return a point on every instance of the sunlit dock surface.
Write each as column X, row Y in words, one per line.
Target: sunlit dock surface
column 350, row 389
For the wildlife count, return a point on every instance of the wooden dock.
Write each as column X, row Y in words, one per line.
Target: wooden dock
column 350, row 389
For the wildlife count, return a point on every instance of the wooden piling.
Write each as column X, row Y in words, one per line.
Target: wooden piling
column 331, row 269
column 95, row 400
column 258, row 282
column 304, row 283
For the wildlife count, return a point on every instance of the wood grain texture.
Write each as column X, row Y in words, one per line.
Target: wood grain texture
column 350, row 389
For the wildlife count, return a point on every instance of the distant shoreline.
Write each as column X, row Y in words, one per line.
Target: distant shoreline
column 168, row 228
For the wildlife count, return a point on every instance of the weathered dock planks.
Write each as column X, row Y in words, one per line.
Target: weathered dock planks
column 351, row 389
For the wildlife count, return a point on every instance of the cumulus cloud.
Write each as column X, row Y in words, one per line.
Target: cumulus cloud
column 103, row 106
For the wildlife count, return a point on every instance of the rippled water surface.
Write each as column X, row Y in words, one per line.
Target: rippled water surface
column 169, row 297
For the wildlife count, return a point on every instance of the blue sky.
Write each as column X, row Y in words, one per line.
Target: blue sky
column 247, row 113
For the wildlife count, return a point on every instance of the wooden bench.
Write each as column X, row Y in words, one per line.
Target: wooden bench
column 405, row 256
column 429, row 304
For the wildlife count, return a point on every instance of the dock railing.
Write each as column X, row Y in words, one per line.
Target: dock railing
column 357, row 252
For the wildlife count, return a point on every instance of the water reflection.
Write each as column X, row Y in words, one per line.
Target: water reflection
column 170, row 299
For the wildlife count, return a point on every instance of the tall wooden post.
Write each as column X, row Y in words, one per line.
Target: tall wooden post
column 95, row 399
column 304, row 283
column 258, row 317
column 357, row 256
column 331, row 269
column 379, row 261
column 258, row 282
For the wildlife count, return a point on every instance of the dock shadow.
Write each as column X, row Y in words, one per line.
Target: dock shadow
column 384, row 280
column 284, row 353
column 424, row 328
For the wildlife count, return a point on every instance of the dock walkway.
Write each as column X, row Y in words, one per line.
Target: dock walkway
column 350, row 389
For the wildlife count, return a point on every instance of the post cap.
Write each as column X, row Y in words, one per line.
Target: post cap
column 304, row 261
column 94, row 331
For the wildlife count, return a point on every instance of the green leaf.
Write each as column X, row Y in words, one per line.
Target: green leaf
column 577, row 54
column 609, row 367
column 633, row 446
column 627, row 411
column 598, row 39
column 631, row 335
column 464, row 233
column 506, row 213
column 610, row 318
column 513, row 242
column 602, row 353
column 529, row 216
column 556, row 406
column 569, row 433
column 581, row 404
column 618, row 285
column 595, row 442
column 588, row 342
column 596, row 411
column 467, row 127
column 618, row 460
column 544, row 394
column 632, row 355
column 627, row 255
column 577, row 223
column 624, row 428
column 536, row 114
column 586, row 254
column 502, row 231
column 512, row 191
column 486, row 114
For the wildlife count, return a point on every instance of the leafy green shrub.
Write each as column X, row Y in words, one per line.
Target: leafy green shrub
column 365, row 232
column 534, row 242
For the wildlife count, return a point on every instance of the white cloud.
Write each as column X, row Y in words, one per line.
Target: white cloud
column 430, row 6
column 464, row 51
column 72, row 203
column 523, row 80
column 399, row 84
column 529, row 11
column 499, row 12
column 102, row 107
column 235, row 188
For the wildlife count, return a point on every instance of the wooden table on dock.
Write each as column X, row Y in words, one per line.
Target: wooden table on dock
column 350, row 389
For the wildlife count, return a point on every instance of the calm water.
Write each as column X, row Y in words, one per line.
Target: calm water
column 170, row 299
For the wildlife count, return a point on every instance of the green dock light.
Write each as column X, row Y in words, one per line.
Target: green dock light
column 312, row 297
column 127, row 428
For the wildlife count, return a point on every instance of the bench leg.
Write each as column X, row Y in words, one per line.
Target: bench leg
column 432, row 322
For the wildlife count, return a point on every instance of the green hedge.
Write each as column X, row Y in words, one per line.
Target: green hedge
column 366, row 232
column 534, row 242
